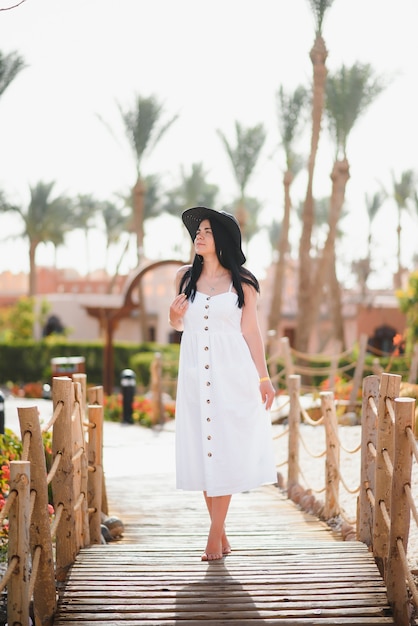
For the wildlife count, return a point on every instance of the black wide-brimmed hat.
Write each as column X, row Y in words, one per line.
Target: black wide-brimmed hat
column 192, row 218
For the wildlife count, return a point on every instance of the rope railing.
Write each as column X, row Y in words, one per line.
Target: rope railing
column 386, row 503
column 325, row 366
column 41, row 550
column 385, row 499
column 331, row 470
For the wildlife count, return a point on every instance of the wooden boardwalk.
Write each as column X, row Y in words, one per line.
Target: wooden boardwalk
column 286, row 567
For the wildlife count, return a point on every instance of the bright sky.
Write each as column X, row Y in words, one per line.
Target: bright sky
column 212, row 63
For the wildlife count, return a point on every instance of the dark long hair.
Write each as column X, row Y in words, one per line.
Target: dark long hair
column 227, row 257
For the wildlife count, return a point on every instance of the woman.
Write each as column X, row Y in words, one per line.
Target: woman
column 223, row 429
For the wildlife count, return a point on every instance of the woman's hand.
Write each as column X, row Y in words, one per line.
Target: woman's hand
column 178, row 308
column 267, row 392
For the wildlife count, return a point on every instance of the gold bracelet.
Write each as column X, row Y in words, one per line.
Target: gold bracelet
column 262, row 380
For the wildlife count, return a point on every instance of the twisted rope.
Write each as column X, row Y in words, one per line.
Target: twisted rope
column 411, row 502
column 35, row 567
column 14, row 561
column 282, row 434
column 385, row 513
column 312, row 454
column 407, row 572
column 390, row 409
column 388, row 462
column 412, row 442
column 307, row 484
column 58, row 515
column 372, row 405
column 54, row 417
column 54, row 467
column 372, row 449
column 8, row 505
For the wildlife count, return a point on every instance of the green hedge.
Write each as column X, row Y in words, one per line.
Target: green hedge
column 30, row 361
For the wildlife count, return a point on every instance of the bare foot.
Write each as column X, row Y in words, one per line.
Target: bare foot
column 208, row 556
column 214, row 547
column 226, row 547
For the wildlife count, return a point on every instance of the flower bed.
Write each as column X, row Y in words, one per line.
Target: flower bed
column 142, row 409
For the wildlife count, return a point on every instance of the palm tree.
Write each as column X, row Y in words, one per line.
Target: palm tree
column 84, row 211
column 46, row 220
column 403, row 190
column 363, row 267
column 143, row 131
column 116, row 221
column 10, row 66
column 194, row 190
column 244, row 157
column 289, row 112
column 349, row 92
column 319, row 229
column 318, row 57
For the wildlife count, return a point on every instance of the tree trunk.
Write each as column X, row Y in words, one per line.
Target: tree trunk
column 32, row 268
column 398, row 275
column 318, row 57
column 340, row 175
column 280, row 265
column 336, row 306
column 242, row 216
column 138, row 201
column 324, row 268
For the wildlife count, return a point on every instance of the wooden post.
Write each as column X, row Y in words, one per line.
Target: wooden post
column 95, row 395
column 389, row 389
column 156, row 389
column 368, row 461
column 19, row 520
column 287, row 355
column 332, row 462
column 358, row 373
column 294, row 422
column 400, row 510
column 413, row 372
column 44, row 595
column 82, row 379
column 96, row 476
column 80, row 467
column 62, row 482
column 334, row 365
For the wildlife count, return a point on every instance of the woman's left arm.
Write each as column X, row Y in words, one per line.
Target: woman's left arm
column 251, row 332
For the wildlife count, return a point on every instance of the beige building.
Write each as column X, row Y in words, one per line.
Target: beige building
column 375, row 314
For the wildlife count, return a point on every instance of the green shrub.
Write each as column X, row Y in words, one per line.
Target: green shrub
column 29, row 361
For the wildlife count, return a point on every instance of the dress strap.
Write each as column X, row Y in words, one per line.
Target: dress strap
column 230, row 286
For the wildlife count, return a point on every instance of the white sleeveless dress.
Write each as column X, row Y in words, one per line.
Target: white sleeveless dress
column 223, row 432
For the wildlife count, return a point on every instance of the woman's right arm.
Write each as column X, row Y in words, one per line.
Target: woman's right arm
column 179, row 305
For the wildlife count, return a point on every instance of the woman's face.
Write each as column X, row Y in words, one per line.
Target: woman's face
column 204, row 242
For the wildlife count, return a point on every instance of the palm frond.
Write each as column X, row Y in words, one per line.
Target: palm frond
column 349, row 93
column 319, row 9
column 141, row 126
column 244, row 156
column 10, row 66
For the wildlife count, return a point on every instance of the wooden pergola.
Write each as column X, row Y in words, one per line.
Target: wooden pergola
column 110, row 316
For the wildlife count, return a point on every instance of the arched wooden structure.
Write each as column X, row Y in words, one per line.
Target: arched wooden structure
column 109, row 316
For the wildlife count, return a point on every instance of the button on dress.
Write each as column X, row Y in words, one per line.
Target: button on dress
column 223, row 432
